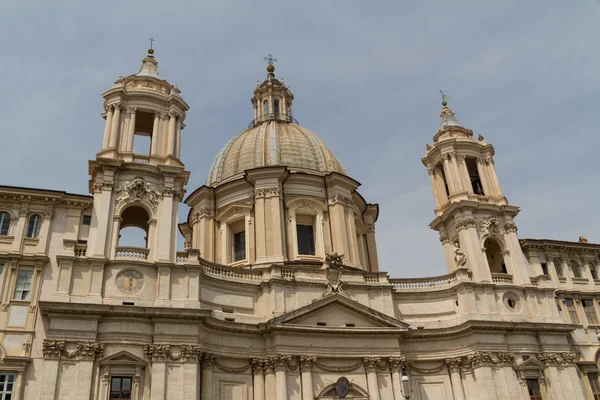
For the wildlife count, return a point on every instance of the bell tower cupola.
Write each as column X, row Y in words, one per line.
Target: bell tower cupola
column 272, row 99
column 473, row 217
column 144, row 117
column 137, row 178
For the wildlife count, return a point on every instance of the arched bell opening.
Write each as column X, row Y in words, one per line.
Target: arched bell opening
column 134, row 229
column 495, row 257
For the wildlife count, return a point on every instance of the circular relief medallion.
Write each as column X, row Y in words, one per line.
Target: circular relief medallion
column 342, row 387
column 130, row 281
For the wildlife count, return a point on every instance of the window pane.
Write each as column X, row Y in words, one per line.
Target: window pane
column 306, row 239
column 6, row 386
column 239, row 246
column 558, row 268
column 33, row 230
column 126, row 385
column 115, row 384
column 86, row 220
column 23, row 285
column 4, row 223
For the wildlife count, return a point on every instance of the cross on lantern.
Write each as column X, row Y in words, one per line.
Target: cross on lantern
column 151, row 40
column 270, row 59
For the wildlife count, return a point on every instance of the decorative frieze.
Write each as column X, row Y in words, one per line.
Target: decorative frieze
column 340, row 198
column 330, row 368
column 480, row 359
column 489, row 227
column 510, row 227
column 84, row 350
column 371, row 363
column 162, row 352
column 557, row 358
column 274, row 191
column 465, row 224
column 398, row 363
column 104, row 185
column 138, row 190
column 453, row 363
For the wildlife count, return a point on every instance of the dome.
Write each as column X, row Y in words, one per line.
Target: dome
column 273, row 143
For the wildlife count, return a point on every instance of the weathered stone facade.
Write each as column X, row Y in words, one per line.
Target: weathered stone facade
column 278, row 294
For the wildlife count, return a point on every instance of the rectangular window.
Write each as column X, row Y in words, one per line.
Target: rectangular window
column 576, row 271
column 306, row 239
column 7, row 383
column 590, row 313
column 86, row 220
column 558, row 268
column 544, row 268
column 120, row 387
column 570, row 304
column 23, row 286
column 593, row 377
column 4, row 223
column 474, row 176
column 239, row 246
column 593, row 271
column 533, row 387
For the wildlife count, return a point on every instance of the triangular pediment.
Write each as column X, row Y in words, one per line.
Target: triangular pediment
column 122, row 357
column 531, row 364
column 337, row 312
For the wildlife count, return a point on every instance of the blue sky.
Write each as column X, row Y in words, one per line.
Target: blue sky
column 365, row 76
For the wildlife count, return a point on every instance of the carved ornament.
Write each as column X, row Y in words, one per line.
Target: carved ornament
column 306, row 362
column 333, row 273
column 459, row 256
column 510, row 227
column 489, row 227
column 557, row 358
column 139, row 190
column 444, row 238
column 398, row 363
column 274, row 191
column 465, row 224
column 340, row 198
column 371, row 363
column 480, row 359
column 201, row 213
column 84, row 350
column 453, row 364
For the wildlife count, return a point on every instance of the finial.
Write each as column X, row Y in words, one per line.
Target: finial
column 270, row 60
column 428, row 146
column 444, row 98
column 480, row 137
column 151, row 50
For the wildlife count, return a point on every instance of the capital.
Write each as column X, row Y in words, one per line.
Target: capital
column 398, row 363
column 371, row 363
column 306, row 362
column 208, row 360
column 453, row 364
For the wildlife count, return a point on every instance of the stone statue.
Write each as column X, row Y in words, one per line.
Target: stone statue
column 459, row 257
column 333, row 273
column 583, row 240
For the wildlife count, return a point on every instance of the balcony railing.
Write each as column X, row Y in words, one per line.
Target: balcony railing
column 422, row 283
column 502, row 278
column 131, row 253
column 273, row 117
column 141, row 159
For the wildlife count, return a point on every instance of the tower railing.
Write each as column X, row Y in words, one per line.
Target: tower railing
column 279, row 117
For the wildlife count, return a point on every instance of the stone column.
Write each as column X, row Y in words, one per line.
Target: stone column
column 50, row 378
column 164, row 227
column 171, row 140
column 280, row 362
column 449, row 175
column 588, row 388
column 116, row 123
column 155, row 134
column 258, row 383
column 45, row 229
column 107, row 126
column 307, row 382
column 454, row 365
column 434, row 187
column 207, row 376
column 372, row 246
column 158, row 380
column 448, row 251
column 97, row 280
column 396, row 366
column 19, row 386
column 100, row 219
column 469, row 244
column 178, row 137
column 494, row 177
column 372, row 382
column 519, row 264
column 260, row 225
column 131, row 132
column 18, row 230
column 456, row 172
column 487, row 189
column 270, row 384
column 337, row 218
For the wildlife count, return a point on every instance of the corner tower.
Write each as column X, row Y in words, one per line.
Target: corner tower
column 473, row 217
column 137, row 178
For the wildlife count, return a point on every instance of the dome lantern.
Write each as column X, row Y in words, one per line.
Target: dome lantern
column 272, row 99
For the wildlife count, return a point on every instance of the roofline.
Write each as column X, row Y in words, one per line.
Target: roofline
column 552, row 242
column 8, row 187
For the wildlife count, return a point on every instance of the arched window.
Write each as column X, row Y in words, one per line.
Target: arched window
column 576, row 269
column 593, row 271
column 4, row 223
column 35, row 223
column 266, row 109
column 134, row 227
column 558, row 267
column 276, row 109
column 494, row 257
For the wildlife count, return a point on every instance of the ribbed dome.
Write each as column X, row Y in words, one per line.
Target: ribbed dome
column 273, row 143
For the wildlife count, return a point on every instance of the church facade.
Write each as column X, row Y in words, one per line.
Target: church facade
column 279, row 294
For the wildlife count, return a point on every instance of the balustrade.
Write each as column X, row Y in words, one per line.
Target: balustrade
column 502, row 278
column 136, row 253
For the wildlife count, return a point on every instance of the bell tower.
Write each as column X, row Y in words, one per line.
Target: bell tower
column 137, row 178
column 473, row 217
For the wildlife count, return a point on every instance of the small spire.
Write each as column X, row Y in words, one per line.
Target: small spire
column 149, row 64
column 447, row 114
